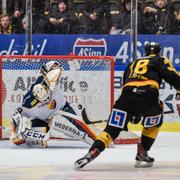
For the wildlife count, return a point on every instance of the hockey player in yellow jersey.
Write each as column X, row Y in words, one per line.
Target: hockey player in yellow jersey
column 138, row 103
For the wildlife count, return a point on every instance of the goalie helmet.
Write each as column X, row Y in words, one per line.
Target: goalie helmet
column 47, row 67
column 41, row 92
column 152, row 48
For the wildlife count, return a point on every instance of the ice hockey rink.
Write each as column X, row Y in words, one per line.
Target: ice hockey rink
column 117, row 163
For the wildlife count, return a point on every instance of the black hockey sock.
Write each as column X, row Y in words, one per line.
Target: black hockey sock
column 147, row 142
column 98, row 145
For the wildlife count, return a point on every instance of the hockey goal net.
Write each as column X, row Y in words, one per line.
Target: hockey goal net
column 87, row 83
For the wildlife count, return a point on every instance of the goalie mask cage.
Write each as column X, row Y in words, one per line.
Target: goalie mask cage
column 87, row 82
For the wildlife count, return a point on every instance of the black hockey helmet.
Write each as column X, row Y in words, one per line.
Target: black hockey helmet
column 152, row 48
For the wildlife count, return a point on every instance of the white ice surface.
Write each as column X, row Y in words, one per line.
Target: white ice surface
column 56, row 162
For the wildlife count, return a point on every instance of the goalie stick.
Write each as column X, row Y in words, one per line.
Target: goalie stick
column 86, row 119
column 64, row 113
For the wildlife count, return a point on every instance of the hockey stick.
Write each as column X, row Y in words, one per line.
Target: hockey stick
column 67, row 114
column 86, row 119
column 77, row 118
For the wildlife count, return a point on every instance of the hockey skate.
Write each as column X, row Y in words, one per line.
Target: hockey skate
column 86, row 159
column 142, row 158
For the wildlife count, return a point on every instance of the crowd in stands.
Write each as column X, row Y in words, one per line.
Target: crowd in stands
column 90, row 17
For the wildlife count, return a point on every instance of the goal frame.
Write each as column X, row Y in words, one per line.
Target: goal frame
column 69, row 57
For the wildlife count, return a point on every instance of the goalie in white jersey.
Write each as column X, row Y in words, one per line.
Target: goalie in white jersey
column 44, row 105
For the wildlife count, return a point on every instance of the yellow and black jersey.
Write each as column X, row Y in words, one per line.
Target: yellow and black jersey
column 150, row 71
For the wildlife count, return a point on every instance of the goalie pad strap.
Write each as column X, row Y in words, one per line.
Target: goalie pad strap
column 105, row 138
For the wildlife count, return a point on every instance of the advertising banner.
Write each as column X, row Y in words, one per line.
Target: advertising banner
column 90, row 45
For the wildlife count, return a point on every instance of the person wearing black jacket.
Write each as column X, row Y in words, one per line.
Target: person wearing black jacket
column 61, row 20
column 8, row 7
column 97, row 17
column 123, row 22
column 38, row 10
column 160, row 18
column 138, row 103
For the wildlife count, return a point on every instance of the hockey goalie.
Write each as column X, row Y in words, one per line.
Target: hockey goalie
column 44, row 106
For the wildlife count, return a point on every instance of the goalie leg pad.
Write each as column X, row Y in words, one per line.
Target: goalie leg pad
column 105, row 138
column 36, row 138
column 73, row 128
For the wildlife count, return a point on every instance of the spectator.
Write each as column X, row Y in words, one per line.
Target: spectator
column 107, row 15
column 51, row 5
column 61, row 20
column 7, row 7
column 38, row 10
column 123, row 24
column 5, row 25
column 94, row 16
column 177, row 21
column 24, row 24
column 160, row 18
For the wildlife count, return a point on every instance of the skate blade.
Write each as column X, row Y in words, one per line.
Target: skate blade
column 80, row 164
column 143, row 164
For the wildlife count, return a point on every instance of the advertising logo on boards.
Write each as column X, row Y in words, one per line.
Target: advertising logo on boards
column 90, row 47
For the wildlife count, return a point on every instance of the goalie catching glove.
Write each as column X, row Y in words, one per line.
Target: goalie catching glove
column 51, row 72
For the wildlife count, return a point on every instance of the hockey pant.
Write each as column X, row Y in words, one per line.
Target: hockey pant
column 119, row 120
